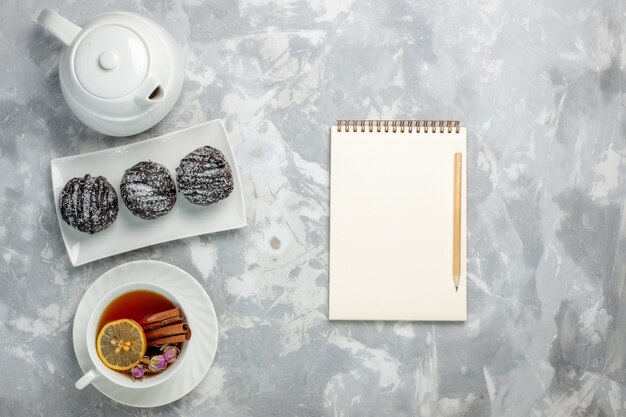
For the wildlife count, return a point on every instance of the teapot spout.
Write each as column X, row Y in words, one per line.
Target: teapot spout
column 59, row 26
column 152, row 91
column 157, row 95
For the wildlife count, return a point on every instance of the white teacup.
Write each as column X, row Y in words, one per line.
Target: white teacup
column 99, row 370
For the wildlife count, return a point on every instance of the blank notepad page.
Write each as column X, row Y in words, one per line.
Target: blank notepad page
column 391, row 225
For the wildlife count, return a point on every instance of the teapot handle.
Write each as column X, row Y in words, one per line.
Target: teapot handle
column 59, row 26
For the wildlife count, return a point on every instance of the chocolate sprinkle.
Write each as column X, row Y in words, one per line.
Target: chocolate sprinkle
column 204, row 176
column 88, row 204
column 148, row 190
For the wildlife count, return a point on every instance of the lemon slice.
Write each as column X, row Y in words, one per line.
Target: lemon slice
column 121, row 344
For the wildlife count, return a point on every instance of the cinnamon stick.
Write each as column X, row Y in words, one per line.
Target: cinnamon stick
column 163, row 315
column 162, row 323
column 172, row 340
column 166, row 331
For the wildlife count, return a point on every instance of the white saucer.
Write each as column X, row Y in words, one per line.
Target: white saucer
column 200, row 314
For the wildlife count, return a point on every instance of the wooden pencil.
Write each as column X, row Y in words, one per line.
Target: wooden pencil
column 456, row 240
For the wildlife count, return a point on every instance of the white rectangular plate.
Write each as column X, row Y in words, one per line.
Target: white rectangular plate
column 130, row 232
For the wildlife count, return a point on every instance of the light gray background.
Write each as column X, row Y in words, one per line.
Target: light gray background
column 539, row 85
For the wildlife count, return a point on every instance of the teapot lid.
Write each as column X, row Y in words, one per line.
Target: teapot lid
column 110, row 61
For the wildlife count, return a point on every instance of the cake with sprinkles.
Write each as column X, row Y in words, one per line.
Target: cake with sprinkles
column 148, row 190
column 88, row 204
column 204, row 176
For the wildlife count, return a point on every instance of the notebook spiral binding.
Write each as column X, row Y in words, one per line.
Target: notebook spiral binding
column 399, row 125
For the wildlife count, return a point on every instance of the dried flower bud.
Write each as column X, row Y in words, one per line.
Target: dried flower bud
column 157, row 363
column 137, row 372
column 170, row 353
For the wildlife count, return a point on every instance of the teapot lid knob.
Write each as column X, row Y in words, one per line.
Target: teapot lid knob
column 108, row 60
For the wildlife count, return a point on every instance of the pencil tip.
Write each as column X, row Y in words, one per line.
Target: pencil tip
column 457, row 288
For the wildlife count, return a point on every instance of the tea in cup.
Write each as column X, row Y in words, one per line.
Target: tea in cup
column 136, row 337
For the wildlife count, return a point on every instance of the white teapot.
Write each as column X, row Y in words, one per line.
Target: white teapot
column 120, row 73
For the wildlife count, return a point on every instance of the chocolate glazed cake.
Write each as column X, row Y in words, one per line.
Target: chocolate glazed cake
column 148, row 190
column 88, row 204
column 204, row 176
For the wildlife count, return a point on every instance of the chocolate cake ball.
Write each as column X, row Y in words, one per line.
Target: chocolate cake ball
column 88, row 204
column 148, row 190
column 204, row 176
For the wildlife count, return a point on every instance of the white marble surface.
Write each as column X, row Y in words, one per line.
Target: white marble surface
column 539, row 85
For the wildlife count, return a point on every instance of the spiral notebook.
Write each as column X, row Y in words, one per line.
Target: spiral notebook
column 392, row 196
